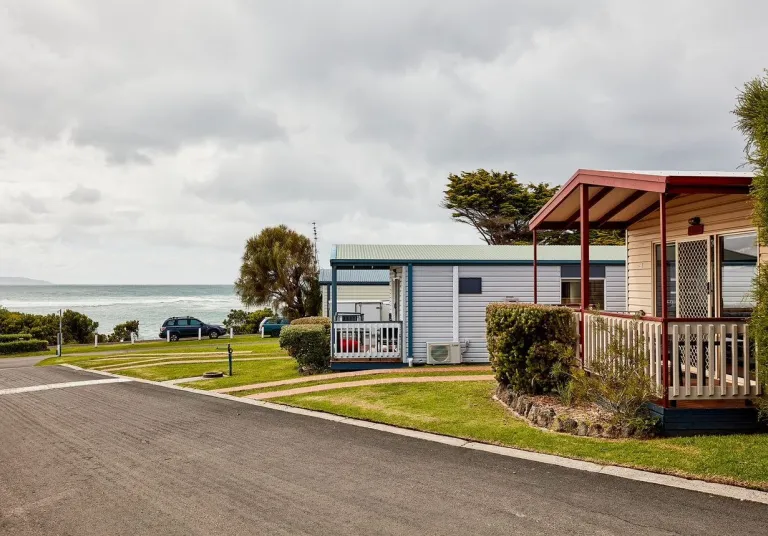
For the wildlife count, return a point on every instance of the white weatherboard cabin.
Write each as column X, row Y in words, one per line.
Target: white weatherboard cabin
column 358, row 291
column 439, row 294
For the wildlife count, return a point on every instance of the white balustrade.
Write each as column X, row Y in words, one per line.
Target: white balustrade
column 708, row 359
column 367, row 340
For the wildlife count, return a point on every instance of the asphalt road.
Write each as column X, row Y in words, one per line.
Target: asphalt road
column 133, row 458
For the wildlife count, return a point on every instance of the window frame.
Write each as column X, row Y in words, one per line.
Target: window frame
column 465, row 292
column 718, row 273
column 578, row 281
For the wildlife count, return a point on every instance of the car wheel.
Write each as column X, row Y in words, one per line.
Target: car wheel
column 213, row 334
column 174, row 337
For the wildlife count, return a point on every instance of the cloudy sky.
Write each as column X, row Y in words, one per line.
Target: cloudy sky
column 144, row 141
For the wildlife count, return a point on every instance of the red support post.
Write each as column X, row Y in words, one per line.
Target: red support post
column 535, row 269
column 584, row 229
column 664, row 298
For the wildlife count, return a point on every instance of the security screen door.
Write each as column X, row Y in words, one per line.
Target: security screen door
column 693, row 279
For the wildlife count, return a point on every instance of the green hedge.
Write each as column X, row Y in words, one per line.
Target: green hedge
column 15, row 337
column 309, row 345
column 18, row 347
column 532, row 347
column 313, row 320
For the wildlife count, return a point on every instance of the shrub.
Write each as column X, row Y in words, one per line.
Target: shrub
column 618, row 379
column 15, row 337
column 309, row 345
column 17, row 347
column 243, row 322
column 76, row 327
column 532, row 347
column 313, row 320
column 752, row 120
column 122, row 332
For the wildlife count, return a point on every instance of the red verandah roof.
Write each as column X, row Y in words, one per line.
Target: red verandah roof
column 617, row 199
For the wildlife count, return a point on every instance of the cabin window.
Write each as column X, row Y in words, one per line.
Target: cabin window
column 570, row 293
column 470, row 285
column 671, row 281
column 738, row 266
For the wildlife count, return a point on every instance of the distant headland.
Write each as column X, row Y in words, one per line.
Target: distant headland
column 20, row 281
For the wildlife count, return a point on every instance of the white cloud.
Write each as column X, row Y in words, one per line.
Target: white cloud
column 144, row 142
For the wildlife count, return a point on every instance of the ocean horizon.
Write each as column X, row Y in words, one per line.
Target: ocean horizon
column 110, row 305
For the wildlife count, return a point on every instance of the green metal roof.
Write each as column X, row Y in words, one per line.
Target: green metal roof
column 355, row 277
column 375, row 253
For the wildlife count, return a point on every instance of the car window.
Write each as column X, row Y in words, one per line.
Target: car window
column 195, row 322
column 272, row 320
column 182, row 322
column 170, row 322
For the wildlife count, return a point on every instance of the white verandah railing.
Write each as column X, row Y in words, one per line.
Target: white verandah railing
column 367, row 340
column 708, row 358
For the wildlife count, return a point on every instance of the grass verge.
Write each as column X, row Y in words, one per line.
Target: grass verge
column 343, row 379
column 252, row 344
column 244, row 372
column 467, row 410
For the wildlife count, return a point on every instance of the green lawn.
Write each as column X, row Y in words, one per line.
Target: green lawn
column 253, row 344
column 466, row 410
column 244, row 372
column 341, row 379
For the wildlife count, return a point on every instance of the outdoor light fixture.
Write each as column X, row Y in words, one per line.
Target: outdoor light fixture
column 695, row 227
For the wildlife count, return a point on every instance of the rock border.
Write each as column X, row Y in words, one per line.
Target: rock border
column 546, row 416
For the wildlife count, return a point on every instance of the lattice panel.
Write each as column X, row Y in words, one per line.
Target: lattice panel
column 692, row 279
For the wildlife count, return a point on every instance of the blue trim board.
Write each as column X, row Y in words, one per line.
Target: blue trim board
column 352, row 284
column 363, row 264
column 334, row 292
column 698, row 421
column 410, row 310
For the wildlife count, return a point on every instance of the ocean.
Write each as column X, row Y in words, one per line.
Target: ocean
column 110, row 305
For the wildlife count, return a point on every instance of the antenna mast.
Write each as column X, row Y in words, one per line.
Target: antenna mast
column 314, row 233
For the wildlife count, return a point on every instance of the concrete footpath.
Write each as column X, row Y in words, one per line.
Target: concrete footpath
column 139, row 458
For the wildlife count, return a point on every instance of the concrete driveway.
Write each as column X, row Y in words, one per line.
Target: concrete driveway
column 133, row 458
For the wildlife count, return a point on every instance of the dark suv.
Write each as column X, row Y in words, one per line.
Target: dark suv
column 185, row 326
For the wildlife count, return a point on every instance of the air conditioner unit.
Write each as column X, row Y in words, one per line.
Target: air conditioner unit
column 443, row 353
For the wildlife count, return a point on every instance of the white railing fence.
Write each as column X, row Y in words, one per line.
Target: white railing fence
column 707, row 358
column 632, row 334
column 712, row 360
column 366, row 340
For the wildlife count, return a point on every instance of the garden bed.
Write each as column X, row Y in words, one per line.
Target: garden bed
column 583, row 420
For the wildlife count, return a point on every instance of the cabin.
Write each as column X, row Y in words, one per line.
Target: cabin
column 692, row 253
column 439, row 293
column 358, row 291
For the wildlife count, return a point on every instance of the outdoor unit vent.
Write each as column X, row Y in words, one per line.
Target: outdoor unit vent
column 443, row 353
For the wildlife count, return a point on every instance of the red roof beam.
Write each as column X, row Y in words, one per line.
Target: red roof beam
column 592, row 202
column 631, row 198
column 653, row 207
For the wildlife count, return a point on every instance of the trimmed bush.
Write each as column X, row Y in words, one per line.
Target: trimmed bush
column 532, row 347
column 313, row 320
column 18, row 347
column 309, row 345
column 15, row 337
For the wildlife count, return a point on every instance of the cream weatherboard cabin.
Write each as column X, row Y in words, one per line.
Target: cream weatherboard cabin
column 692, row 253
column 438, row 296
